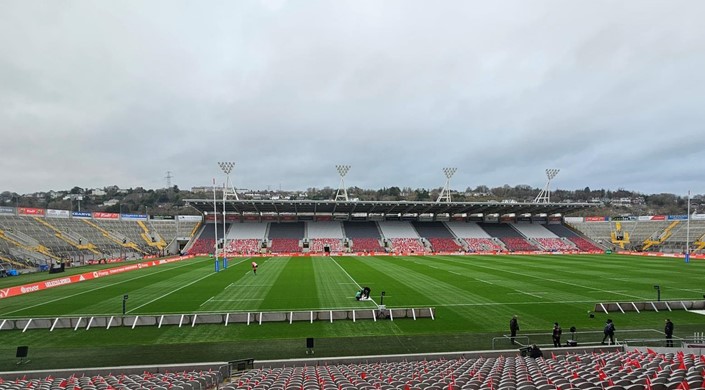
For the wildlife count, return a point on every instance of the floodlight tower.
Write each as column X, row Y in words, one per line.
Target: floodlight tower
column 445, row 193
column 545, row 195
column 342, row 193
column 227, row 167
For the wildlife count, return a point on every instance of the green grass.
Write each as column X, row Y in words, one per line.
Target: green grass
column 474, row 297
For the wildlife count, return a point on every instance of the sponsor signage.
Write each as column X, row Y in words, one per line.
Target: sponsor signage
column 162, row 217
column 645, row 218
column 7, row 210
column 698, row 217
column 32, row 287
column 573, row 219
column 595, row 219
column 624, row 218
column 134, row 216
column 51, row 213
column 192, row 218
column 658, row 218
column 30, row 211
column 677, row 217
column 102, row 215
column 81, row 214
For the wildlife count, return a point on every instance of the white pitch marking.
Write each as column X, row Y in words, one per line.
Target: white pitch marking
column 351, row 278
column 90, row 291
column 553, row 280
column 209, row 299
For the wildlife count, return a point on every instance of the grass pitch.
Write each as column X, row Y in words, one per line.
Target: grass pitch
column 474, row 297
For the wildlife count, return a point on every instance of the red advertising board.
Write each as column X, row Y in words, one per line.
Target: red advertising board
column 32, row 287
column 101, row 215
column 29, row 211
column 594, row 219
column 658, row 218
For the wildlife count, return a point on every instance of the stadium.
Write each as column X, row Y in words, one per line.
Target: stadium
column 262, row 294
column 113, row 277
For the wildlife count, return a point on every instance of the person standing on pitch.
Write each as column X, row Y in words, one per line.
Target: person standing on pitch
column 668, row 330
column 254, row 268
column 556, row 335
column 513, row 328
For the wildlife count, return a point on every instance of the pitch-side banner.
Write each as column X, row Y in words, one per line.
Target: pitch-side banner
column 137, row 217
column 191, row 218
column 677, row 217
column 30, row 211
column 51, row 213
column 32, row 287
column 595, row 219
column 573, row 219
column 81, row 214
column 7, row 210
column 101, row 215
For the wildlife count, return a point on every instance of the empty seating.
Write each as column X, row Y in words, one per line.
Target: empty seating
column 444, row 244
column 284, row 245
column 584, row 244
column 518, row 244
column 604, row 370
column 186, row 380
column 554, row 244
column 243, row 246
column 482, row 245
column 318, row 245
column 364, row 235
column 366, row 245
column 406, row 245
column 202, row 245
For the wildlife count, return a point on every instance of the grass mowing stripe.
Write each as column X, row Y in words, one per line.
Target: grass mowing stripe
column 465, row 321
column 564, row 282
column 60, row 297
column 335, row 284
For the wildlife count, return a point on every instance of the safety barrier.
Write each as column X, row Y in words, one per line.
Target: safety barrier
column 193, row 319
column 649, row 306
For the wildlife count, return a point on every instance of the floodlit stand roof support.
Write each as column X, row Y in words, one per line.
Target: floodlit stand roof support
column 445, row 193
column 545, row 195
column 342, row 193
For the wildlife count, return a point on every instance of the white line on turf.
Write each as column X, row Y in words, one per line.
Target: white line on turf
column 555, row 281
column 209, row 299
column 351, row 278
column 92, row 290
column 175, row 290
column 483, row 281
column 171, row 292
column 529, row 294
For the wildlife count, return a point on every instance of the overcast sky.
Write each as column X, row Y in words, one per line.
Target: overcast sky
column 96, row 93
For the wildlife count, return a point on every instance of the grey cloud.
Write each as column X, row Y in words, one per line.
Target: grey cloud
column 118, row 93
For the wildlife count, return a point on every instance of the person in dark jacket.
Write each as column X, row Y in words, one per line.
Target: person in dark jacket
column 556, row 334
column 609, row 332
column 668, row 330
column 513, row 328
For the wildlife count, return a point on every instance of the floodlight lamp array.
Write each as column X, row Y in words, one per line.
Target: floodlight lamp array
column 342, row 169
column 449, row 172
column 226, row 166
column 551, row 173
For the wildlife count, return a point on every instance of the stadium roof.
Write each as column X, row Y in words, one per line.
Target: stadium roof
column 205, row 206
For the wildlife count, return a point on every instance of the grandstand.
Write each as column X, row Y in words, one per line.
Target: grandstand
column 363, row 236
column 31, row 241
column 325, row 236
